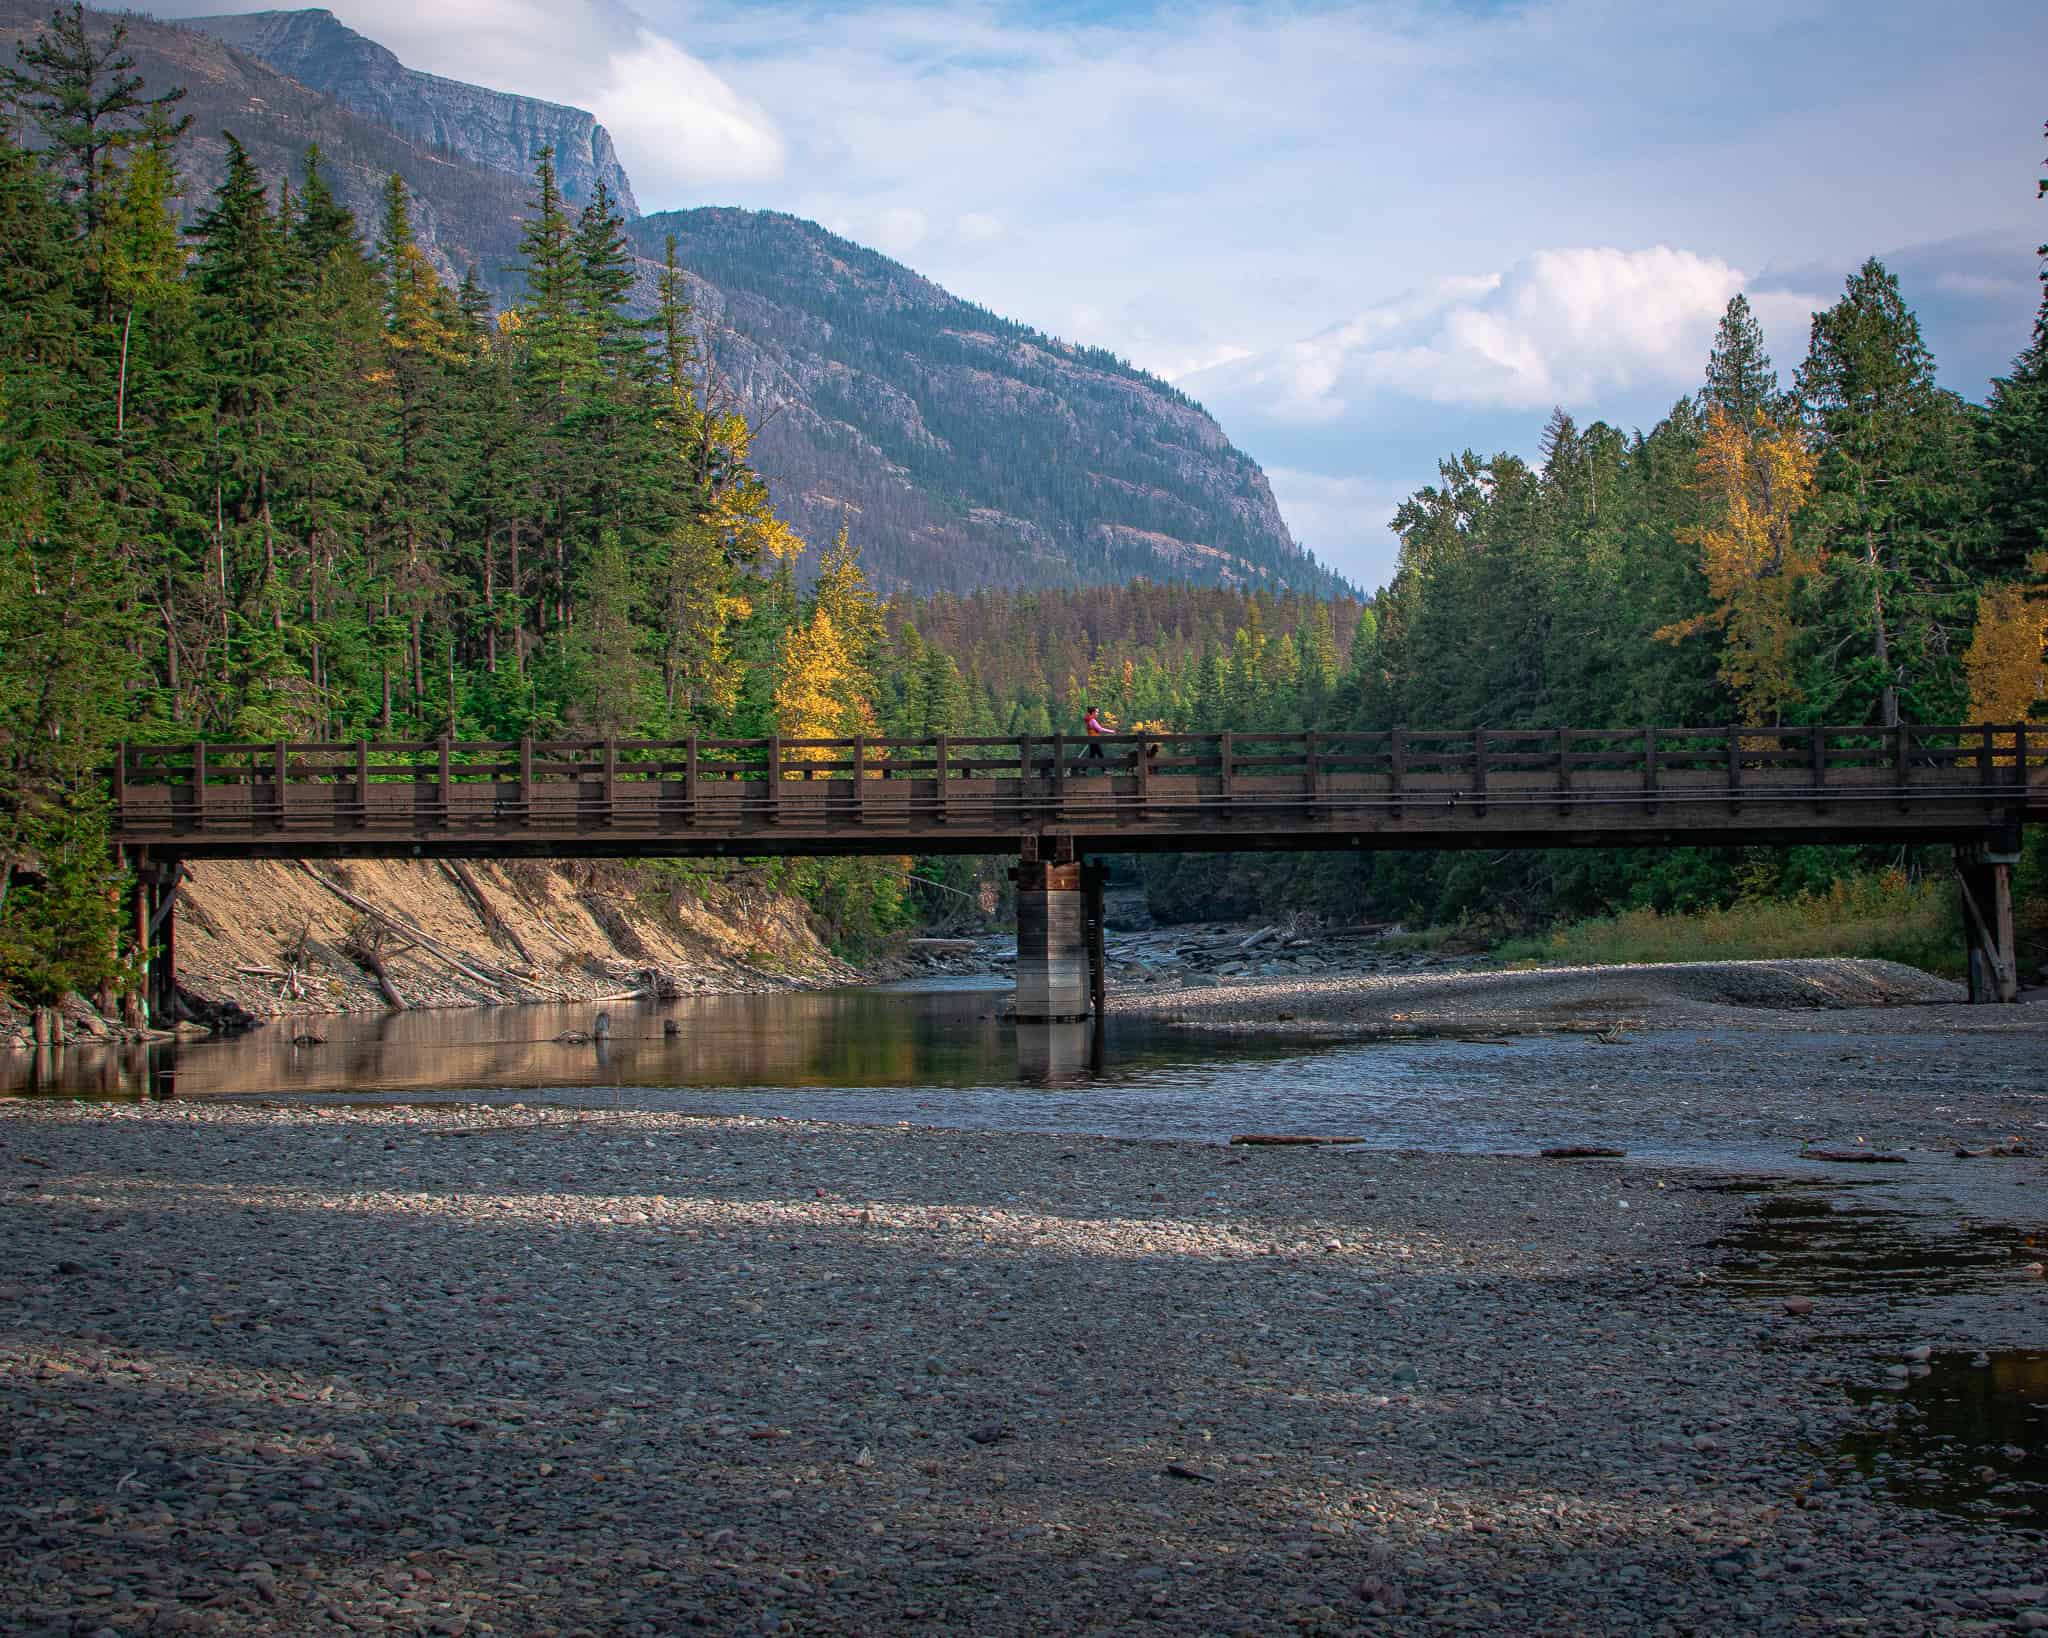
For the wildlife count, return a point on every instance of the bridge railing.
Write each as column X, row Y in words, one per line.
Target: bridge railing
column 1980, row 753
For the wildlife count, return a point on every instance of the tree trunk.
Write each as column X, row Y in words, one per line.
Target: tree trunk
column 1881, row 648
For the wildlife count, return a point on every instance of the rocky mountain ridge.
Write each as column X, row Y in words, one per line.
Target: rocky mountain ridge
column 962, row 449
column 466, row 215
column 492, row 128
column 959, row 448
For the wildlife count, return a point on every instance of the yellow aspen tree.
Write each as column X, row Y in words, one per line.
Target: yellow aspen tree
column 819, row 692
column 2007, row 662
column 1760, row 475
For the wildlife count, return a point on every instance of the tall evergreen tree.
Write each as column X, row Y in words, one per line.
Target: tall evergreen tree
column 86, row 99
column 1741, row 382
column 1889, row 509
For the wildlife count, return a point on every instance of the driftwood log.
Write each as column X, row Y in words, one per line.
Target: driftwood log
column 1274, row 1140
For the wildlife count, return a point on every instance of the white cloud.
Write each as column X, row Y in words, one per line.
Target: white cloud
column 1560, row 326
column 682, row 125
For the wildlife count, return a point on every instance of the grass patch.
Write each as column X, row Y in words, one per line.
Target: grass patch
column 1884, row 916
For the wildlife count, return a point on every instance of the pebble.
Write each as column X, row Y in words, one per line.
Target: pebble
column 767, row 1375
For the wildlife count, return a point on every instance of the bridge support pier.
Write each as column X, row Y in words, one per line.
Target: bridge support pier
column 1052, row 953
column 1985, row 875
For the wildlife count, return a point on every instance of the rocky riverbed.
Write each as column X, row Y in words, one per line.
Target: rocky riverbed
column 449, row 1370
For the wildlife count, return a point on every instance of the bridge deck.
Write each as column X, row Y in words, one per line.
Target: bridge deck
column 1400, row 789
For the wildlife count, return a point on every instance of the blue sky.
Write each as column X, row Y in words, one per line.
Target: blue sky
column 1366, row 236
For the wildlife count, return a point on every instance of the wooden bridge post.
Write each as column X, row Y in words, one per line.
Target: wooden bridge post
column 1093, row 877
column 156, row 931
column 135, row 1004
column 1985, row 876
column 1052, row 975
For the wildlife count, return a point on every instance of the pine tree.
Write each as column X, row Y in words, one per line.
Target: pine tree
column 86, row 100
column 1741, row 383
column 1892, row 446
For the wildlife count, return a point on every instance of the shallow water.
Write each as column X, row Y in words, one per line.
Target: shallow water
column 944, row 1056
column 1966, row 1434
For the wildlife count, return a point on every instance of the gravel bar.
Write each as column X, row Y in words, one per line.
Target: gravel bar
column 1771, row 994
column 275, row 1369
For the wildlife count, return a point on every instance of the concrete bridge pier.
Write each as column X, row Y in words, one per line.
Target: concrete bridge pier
column 1060, row 963
column 1052, row 943
column 1986, row 877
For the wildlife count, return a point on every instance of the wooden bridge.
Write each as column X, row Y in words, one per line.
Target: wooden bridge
column 1053, row 801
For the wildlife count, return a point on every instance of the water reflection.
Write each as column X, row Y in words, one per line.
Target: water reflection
column 1968, row 1436
column 1059, row 1054
column 944, row 1038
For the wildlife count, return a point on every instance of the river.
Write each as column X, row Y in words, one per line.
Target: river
column 944, row 1055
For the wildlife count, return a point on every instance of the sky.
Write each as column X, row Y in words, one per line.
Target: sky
column 1365, row 236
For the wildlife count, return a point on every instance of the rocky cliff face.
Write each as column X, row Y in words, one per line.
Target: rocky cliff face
column 961, row 449
column 491, row 128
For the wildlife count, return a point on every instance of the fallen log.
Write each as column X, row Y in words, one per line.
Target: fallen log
column 1853, row 1157
column 1274, row 1140
column 1583, row 1151
column 373, row 964
column 493, row 923
column 405, row 929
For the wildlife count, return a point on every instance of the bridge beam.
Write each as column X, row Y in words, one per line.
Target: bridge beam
column 1985, row 875
column 1052, row 948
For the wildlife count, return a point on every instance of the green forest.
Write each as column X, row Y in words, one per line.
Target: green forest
column 265, row 474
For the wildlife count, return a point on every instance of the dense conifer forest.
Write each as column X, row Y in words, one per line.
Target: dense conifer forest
column 272, row 477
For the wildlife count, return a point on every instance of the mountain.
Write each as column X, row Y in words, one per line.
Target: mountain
column 467, row 215
column 960, row 449
column 492, row 128
column 963, row 449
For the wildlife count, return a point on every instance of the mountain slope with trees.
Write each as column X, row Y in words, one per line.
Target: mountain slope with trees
column 963, row 449
column 959, row 449
column 466, row 215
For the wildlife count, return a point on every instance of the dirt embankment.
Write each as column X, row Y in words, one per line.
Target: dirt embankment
column 283, row 936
